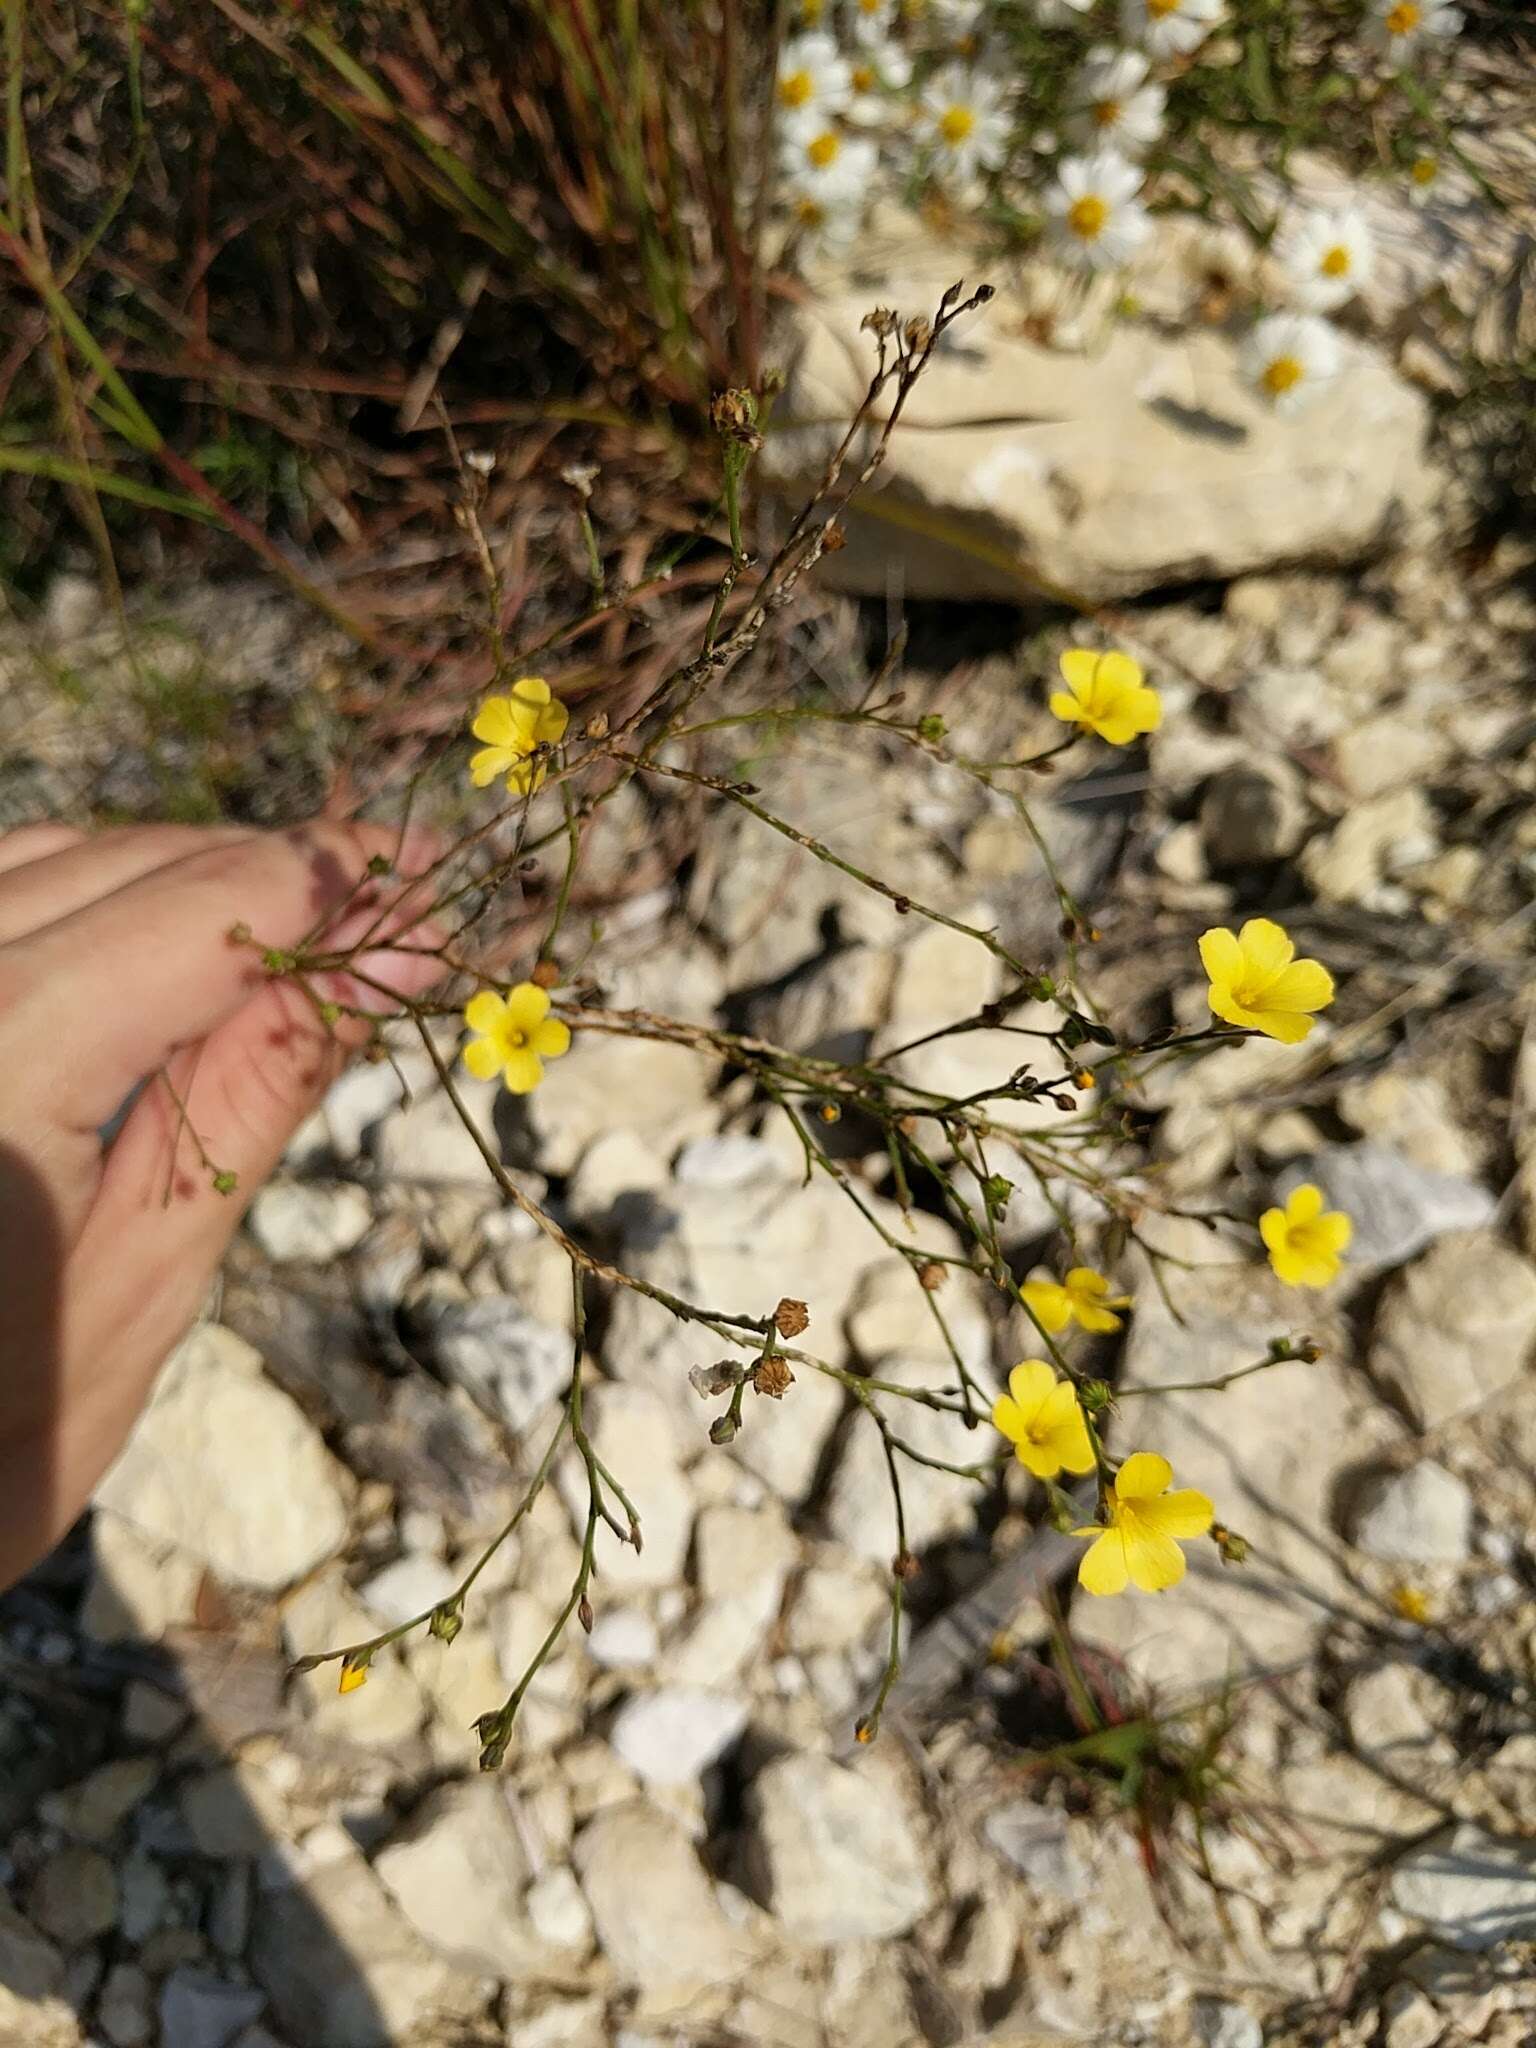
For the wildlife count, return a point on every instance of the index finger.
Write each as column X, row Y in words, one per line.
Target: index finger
column 100, row 998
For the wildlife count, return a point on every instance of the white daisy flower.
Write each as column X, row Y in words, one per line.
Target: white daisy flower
column 1117, row 108
column 878, row 67
column 1423, row 179
column 827, row 178
column 1398, row 27
column 964, row 121
column 826, row 172
column 1288, row 358
column 871, row 20
column 810, row 13
column 1060, row 13
column 813, row 80
column 955, row 22
column 1168, row 28
column 1327, row 256
column 1097, row 222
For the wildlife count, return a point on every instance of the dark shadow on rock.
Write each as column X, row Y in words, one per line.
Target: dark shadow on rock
column 1194, row 419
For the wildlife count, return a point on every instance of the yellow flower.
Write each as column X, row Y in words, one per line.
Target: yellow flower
column 516, row 1036
column 1412, row 1603
column 1042, row 1418
column 352, row 1676
column 515, row 727
column 1305, row 1242
column 1147, row 1523
column 1256, row 980
column 1083, row 1297
column 1105, row 694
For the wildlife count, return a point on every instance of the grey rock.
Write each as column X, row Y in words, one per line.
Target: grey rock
column 658, row 1919
column 633, row 1434
column 92, row 1810
column 557, row 1910
column 622, row 1638
column 125, row 2008
column 1455, row 1327
column 340, row 1964
column 1250, row 813
column 1222, row 2024
column 728, row 1161
column 74, row 1897
column 834, row 1850
column 1038, row 1843
column 309, row 1221
column 512, row 1364
column 225, row 1467
column 1474, row 1890
column 1398, row 1208
column 1420, row 1516
column 671, row 1736
column 30, row 1965
column 458, row 1871
column 1104, row 484
column 198, row 2010
column 859, row 1510
column 406, row 1588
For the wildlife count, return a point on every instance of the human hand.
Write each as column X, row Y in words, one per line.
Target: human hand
column 117, row 969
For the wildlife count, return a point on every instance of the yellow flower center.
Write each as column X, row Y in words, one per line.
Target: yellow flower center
column 1336, row 262
column 810, row 213
column 1403, row 17
column 1159, row 8
column 864, row 79
column 1423, row 171
column 955, row 124
column 795, row 88
column 1107, row 112
column 1088, row 216
column 822, row 149
column 1280, row 376
column 515, row 1039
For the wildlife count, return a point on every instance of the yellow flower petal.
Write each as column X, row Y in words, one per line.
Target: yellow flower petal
column 1221, row 956
column 352, row 1676
column 1048, row 1304
column 1104, row 1568
column 1118, row 673
column 1288, row 1026
column 1039, row 1457
column 1154, row 1561
column 485, row 1011
column 1067, row 708
column 1031, row 1384
column 1079, row 666
column 1066, row 1429
column 1007, row 1418
column 1143, row 1474
column 522, row 1071
column 1274, row 1230
column 551, row 1038
column 1305, row 1203
column 553, row 720
column 1304, row 985
column 1185, row 1513
column 483, row 1059
column 527, row 1006
column 1335, row 1230
column 531, row 690
column 493, row 723
column 1266, row 948
column 485, row 766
